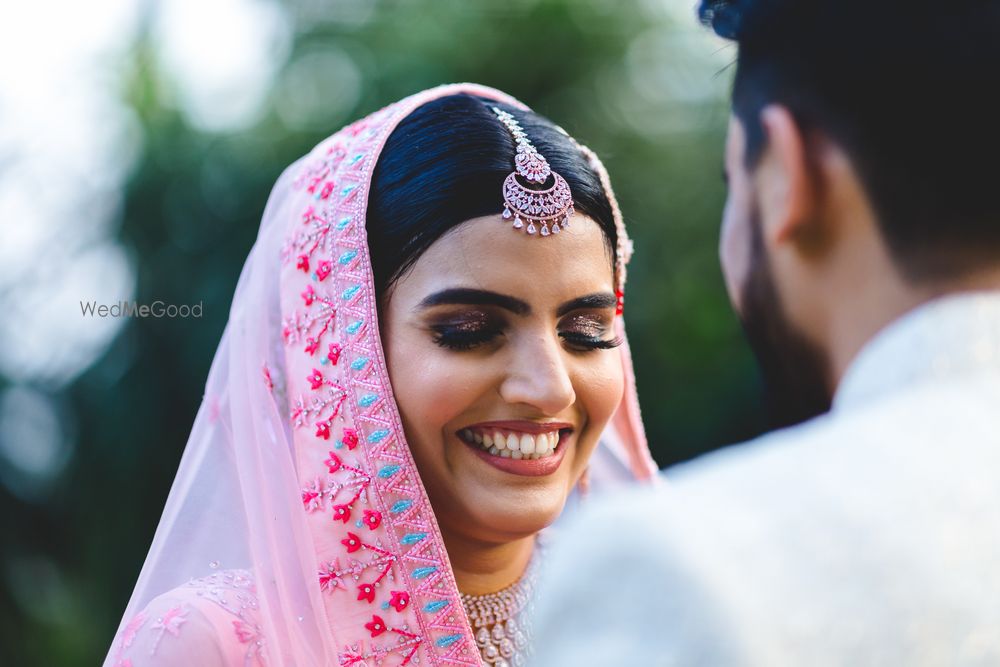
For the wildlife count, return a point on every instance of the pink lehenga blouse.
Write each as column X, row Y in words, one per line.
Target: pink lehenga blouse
column 297, row 531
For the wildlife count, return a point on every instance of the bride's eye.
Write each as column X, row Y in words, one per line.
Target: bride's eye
column 454, row 338
column 465, row 333
column 585, row 333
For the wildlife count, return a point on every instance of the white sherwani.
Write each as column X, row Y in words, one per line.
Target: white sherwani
column 869, row 536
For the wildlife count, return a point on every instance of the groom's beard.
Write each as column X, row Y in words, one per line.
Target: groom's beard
column 793, row 367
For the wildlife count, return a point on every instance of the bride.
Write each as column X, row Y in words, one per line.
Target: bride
column 424, row 359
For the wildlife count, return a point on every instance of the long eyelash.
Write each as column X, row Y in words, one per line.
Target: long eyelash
column 591, row 342
column 459, row 340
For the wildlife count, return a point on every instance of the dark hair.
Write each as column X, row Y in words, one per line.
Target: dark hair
column 907, row 89
column 445, row 164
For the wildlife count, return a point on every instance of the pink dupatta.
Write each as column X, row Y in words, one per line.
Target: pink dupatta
column 297, row 531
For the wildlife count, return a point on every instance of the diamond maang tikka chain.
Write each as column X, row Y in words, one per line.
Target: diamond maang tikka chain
column 537, row 211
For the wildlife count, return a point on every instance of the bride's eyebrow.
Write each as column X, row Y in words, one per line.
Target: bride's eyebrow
column 464, row 296
column 589, row 302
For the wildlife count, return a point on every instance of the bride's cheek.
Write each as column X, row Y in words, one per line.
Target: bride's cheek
column 433, row 386
column 600, row 392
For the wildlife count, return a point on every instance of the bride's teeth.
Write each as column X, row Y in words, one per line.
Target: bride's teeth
column 518, row 446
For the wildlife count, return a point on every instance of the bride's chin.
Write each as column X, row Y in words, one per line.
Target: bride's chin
column 515, row 514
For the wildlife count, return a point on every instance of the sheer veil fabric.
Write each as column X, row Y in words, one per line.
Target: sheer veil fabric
column 297, row 531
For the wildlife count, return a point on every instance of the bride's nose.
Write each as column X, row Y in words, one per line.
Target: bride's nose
column 538, row 376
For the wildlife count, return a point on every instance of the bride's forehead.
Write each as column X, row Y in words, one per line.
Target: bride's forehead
column 489, row 251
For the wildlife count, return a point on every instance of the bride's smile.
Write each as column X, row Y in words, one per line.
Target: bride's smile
column 518, row 440
column 519, row 454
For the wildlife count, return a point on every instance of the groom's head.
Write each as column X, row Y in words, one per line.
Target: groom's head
column 862, row 165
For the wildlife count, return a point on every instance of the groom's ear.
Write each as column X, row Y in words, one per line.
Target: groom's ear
column 786, row 189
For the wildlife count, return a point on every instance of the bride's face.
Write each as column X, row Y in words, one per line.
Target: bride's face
column 500, row 352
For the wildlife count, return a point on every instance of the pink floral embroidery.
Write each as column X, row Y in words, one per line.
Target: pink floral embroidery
column 357, row 126
column 130, row 631
column 353, row 543
column 312, row 496
column 323, row 430
column 314, row 182
column 244, row 632
column 332, row 576
column 333, row 463
column 329, row 577
column 372, row 519
column 366, row 592
column 352, row 655
column 171, row 621
column 356, row 654
column 311, row 346
column 308, row 215
column 399, row 600
column 323, row 270
column 267, row 378
column 327, row 189
column 341, row 513
column 376, row 626
column 332, row 489
column 303, row 263
column 321, row 409
column 233, row 591
column 309, row 295
column 350, row 438
column 334, row 354
column 315, row 379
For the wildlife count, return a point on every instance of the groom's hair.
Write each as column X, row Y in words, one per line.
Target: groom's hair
column 908, row 88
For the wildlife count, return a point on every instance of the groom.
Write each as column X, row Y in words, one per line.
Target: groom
column 861, row 249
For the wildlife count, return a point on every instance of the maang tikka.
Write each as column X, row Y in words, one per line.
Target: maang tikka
column 551, row 208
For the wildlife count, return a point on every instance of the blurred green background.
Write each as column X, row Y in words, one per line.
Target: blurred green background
column 145, row 177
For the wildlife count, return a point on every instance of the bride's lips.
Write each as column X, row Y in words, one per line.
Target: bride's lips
column 519, row 447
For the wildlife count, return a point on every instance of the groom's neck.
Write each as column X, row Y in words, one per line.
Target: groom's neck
column 859, row 315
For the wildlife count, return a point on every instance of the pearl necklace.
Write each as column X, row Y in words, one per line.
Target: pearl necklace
column 497, row 620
